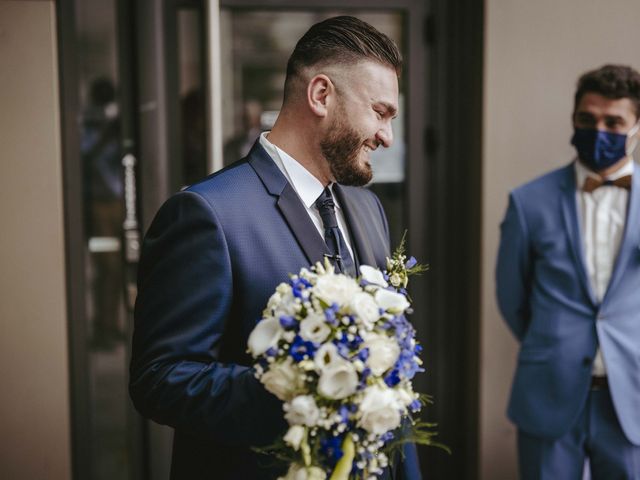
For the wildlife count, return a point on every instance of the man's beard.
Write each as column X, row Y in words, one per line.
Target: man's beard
column 341, row 148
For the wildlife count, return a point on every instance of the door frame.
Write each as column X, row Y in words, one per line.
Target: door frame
column 445, row 69
column 74, row 224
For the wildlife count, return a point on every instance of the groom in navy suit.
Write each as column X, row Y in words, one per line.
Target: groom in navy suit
column 568, row 285
column 216, row 251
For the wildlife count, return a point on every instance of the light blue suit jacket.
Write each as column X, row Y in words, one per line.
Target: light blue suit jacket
column 545, row 296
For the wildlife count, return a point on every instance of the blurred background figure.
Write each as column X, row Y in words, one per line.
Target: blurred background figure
column 567, row 277
column 241, row 143
column 103, row 189
column 194, row 143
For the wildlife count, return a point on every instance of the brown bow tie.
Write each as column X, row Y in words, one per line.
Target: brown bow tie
column 591, row 183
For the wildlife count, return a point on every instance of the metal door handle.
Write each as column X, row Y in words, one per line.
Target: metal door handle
column 130, row 230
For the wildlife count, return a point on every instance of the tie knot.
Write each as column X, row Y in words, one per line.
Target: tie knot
column 326, row 208
column 325, row 200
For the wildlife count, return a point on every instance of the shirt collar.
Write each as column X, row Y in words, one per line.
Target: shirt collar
column 303, row 182
column 583, row 172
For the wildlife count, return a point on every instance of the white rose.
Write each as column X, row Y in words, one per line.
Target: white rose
column 302, row 411
column 299, row 472
column 326, row 355
column 338, row 380
column 379, row 410
column 282, row 379
column 294, row 436
column 265, row 335
column 391, row 301
column 373, row 275
column 336, row 288
column 395, row 280
column 383, row 352
column 366, row 308
column 314, row 328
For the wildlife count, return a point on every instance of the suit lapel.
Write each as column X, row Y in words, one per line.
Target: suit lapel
column 355, row 217
column 301, row 225
column 631, row 237
column 289, row 204
column 572, row 225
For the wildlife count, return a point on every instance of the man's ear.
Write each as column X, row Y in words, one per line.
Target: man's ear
column 318, row 89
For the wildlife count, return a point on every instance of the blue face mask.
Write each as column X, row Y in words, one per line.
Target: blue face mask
column 599, row 150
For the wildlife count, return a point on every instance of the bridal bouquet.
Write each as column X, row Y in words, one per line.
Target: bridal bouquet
column 340, row 353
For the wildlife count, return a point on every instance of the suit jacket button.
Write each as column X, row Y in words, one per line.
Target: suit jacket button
column 586, row 361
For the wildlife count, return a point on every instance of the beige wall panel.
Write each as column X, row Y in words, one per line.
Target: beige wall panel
column 34, row 405
column 535, row 50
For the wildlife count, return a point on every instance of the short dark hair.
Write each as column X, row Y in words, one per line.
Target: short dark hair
column 342, row 40
column 610, row 81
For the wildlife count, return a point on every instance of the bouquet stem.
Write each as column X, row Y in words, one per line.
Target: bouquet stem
column 344, row 465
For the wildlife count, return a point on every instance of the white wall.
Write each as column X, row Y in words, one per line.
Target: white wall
column 34, row 404
column 534, row 53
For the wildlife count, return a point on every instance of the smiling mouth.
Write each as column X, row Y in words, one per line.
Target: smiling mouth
column 368, row 148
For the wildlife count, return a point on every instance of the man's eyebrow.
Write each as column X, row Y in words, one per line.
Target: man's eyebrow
column 391, row 109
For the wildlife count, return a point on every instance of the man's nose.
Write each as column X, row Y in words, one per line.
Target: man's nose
column 385, row 135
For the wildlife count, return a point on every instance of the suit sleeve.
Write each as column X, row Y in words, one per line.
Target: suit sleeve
column 184, row 302
column 513, row 270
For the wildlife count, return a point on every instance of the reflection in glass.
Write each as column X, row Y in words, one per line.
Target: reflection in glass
column 193, row 140
column 103, row 215
column 256, row 45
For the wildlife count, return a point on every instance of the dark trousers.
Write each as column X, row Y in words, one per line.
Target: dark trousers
column 596, row 435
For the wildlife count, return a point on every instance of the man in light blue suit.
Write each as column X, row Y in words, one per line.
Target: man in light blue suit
column 568, row 286
column 216, row 251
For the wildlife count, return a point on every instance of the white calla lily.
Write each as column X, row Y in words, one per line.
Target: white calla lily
column 391, row 301
column 265, row 335
column 373, row 275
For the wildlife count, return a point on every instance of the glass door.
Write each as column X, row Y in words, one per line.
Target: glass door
column 126, row 97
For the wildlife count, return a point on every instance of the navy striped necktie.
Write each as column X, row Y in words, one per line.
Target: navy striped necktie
column 338, row 251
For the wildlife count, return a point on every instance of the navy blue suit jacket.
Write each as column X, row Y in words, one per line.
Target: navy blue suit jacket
column 210, row 260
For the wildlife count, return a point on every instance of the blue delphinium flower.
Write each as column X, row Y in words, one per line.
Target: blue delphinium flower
column 412, row 262
column 363, row 354
column 385, row 437
column 363, row 378
column 345, row 411
column 392, row 378
column 330, row 314
column 346, row 346
column 301, row 348
column 288, row 322
column 271, row 352
column 298, row 285
column 331, row 449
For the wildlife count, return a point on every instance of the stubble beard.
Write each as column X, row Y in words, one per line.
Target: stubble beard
column 341, row 148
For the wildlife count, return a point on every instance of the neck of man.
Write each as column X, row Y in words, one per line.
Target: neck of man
column 300, row 141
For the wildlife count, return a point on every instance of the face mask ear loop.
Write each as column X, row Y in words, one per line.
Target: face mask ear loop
column 634, row 139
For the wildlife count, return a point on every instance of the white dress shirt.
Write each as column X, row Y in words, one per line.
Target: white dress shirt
column 602, row 214
column 306, row 186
